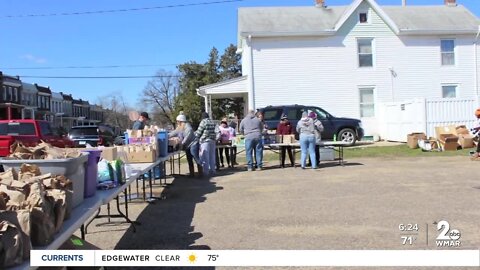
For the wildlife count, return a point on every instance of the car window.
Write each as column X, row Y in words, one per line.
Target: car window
column 294, row 113
column 83, row 131
column 272, row 114
column 17, row 129
column 321, row 114
column 45, row 129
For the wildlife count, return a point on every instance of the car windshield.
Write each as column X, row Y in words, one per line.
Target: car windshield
column 17, row 129
column 83, row 131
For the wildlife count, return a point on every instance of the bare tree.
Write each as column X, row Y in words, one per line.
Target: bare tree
column 160, row 95
column 116, row 111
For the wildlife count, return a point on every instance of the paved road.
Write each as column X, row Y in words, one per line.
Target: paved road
column 359, row 206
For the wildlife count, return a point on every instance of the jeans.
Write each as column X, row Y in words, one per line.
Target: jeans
column 207, row 156
column 195, row 151
column 256, row 144
column 307, row 145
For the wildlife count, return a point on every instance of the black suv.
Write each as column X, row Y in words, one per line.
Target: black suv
column 346, row 129
column 92, row 135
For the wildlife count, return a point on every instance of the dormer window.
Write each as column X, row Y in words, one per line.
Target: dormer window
column 363, row 17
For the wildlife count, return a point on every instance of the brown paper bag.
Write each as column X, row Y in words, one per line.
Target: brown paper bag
column 42, row 215
column 59, row 208
column 16, row 196
column 21, row 219
column 31, row 169
column 8, row 176
column 11, row 245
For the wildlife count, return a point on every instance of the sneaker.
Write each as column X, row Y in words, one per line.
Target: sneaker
column 250, row 169
column 303, row 168
column 259, row 168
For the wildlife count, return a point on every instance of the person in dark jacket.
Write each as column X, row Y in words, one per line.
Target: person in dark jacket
column 285, row 128
column 140, row 123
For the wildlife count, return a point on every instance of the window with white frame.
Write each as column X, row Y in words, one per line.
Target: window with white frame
column 447, row 47
column 363, row 17
column 365, row 52
column 367, row 102
column 449, row 91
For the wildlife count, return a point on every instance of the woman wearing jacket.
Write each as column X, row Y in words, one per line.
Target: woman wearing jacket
column 285, row 128
column 306, row 129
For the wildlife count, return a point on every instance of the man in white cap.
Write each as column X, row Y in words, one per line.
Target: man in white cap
column 185, row 132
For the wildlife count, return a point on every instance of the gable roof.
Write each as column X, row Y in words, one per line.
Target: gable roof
column 312, row 20
column 29, row 88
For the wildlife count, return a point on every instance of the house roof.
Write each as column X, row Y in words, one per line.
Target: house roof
column 44, row 90
column 67, row 97
column 278, row 21
column 29, row 88
column 56, row 95
column 433, row 18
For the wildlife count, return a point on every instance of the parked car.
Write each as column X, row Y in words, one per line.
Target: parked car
column 30, row 133
column 345, row 129
column 100, row 135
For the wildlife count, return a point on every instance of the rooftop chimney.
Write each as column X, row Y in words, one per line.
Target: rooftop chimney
column 321, row 3
column 451, row 3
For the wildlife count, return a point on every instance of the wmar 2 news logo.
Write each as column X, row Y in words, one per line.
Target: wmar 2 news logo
column 447, row 237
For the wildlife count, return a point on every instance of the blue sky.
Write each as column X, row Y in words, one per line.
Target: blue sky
column 162, row 37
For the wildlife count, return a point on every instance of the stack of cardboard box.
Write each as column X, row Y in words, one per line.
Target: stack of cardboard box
column 452, row 137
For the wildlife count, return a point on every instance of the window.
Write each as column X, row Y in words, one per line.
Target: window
column 448, row 52
column 365, row 53
column 367, row 102
column 9, row 93
column 15, row 94
column 45, row 129
column 449, row 91
column 363, row 17
column 272, row 114
column 294, row 113
column 17, row 129
column 4, row 94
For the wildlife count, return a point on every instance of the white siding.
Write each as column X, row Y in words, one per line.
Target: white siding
column 324, row 71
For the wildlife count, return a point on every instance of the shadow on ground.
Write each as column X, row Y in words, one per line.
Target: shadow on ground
column 166, row 224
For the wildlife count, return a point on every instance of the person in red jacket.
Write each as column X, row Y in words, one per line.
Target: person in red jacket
column 285, row 128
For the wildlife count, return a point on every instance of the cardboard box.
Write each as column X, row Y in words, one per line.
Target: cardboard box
column 142, row 157
column 451, row 129
column 449, row 142
column 109, row 153
column 462, row 130
column 278, row 138
column 466, row 141
column 289, row 138
column 412, row 139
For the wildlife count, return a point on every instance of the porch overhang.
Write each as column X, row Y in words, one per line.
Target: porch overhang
column 233, row 88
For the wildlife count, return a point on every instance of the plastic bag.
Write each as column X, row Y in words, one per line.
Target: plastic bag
column 105, row 171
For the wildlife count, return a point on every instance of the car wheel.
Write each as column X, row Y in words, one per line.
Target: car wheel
column 347, row 135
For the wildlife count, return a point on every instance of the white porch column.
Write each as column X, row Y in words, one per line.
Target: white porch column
column 251, row 83
column 206, row 103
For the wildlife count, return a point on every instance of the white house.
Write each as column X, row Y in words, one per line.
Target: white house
column 351, row 59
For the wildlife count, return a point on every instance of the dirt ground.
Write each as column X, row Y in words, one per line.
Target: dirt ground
column 358, row 206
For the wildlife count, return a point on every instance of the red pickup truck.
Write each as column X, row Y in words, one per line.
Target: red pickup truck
column 30, row 133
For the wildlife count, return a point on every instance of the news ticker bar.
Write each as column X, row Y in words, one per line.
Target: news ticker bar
column 255, row 258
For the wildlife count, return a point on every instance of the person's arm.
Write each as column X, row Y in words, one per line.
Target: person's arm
column 241, row 129
column 173, row 134
column 201, row 128
column 186, row 134
column 298, row 127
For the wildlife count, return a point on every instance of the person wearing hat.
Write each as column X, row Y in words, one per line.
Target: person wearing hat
column 185, row 132
column 140, row 123
column 285, row 128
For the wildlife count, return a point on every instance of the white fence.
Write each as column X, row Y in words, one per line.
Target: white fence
column 398, row 119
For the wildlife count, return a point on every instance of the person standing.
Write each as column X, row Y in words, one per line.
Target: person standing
column 318, row 137
column 226, row 135
column 306, row 129
column 252, row 128
column 476, row 133
column 285, row 128
column 139, row 124
column 206, row 136
column 185, row 132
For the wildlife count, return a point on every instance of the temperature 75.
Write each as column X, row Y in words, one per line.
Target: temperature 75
column 212, row 258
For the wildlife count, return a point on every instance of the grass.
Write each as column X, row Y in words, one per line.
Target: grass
column 398, row 151
column 370, row 152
